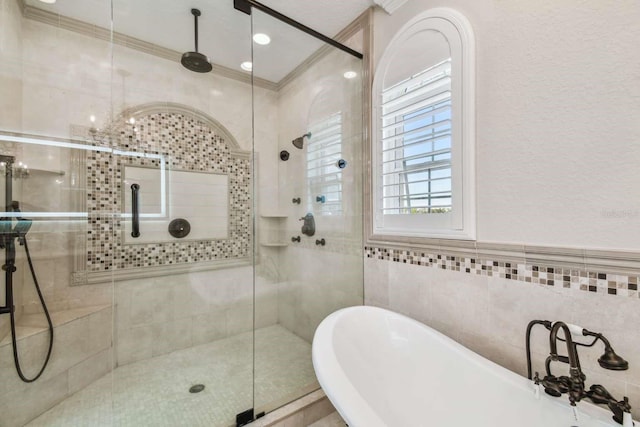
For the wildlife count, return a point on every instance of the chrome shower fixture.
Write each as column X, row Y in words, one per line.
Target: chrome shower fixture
column 299, row 142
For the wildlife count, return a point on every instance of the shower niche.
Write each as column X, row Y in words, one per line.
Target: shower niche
column 192, row 190
column 195, row 202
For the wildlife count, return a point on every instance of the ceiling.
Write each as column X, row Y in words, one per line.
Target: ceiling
column 225, row 33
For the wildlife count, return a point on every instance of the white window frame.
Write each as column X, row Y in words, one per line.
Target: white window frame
column 460, row 223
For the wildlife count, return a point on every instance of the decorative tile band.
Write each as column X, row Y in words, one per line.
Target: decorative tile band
column 573, row 278
column 187, row 144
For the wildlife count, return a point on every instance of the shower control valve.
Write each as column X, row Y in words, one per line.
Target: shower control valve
column 309, row 226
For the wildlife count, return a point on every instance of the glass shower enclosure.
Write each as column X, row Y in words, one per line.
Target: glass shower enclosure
column 186, row 231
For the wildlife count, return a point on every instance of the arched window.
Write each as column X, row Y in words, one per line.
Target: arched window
column 423, row 159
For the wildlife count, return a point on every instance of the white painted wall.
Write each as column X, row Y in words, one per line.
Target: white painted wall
column 558, row 95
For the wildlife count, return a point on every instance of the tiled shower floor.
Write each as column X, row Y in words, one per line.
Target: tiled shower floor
column 154, row 392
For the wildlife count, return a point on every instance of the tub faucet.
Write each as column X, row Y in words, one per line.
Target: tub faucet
column 621, row 409
column 574, row 384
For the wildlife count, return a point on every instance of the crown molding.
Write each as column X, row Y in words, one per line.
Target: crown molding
column 390, row 6
column 90, row 30
column 95, row 31
column 361, row 23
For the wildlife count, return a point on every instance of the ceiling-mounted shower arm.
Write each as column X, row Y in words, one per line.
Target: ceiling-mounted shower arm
column 195, row 13
column 246, row 5
column 195, row 61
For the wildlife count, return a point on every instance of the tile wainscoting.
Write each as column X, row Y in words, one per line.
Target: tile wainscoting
column 486, row 306
column 575, row 277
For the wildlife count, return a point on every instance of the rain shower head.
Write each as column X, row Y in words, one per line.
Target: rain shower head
column 299, row 142
column 196, row 61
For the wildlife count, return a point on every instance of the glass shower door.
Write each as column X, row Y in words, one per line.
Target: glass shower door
column 184, row 284
column 49, row 96
column 309, row 182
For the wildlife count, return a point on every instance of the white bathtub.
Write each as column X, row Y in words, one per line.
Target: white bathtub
column 381, row 368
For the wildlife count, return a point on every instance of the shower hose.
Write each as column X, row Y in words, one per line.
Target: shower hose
column 12, row 316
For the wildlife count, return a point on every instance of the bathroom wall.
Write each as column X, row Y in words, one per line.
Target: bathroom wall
column 546, row 74
column 59, row 78
column 310, row 290
column 63, row 89
column 556, row 101
column 10, row 53
column 65, row 77
column 10, row 84
column 164, row 314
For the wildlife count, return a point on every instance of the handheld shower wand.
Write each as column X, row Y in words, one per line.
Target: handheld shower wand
column 8, row 236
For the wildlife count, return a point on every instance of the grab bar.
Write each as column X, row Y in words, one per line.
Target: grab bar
column 135, row 209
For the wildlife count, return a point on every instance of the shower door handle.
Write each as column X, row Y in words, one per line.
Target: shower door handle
column 135, row 210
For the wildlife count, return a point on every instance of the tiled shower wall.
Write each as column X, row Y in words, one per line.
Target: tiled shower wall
column 317, row 280
column 10, row 83
column 158, row 315
column 186, row 144
column 59, row 90
column 548, row 175
column 53, row 91
column 163, row 314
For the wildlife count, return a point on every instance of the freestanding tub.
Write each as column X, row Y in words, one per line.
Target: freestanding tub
column 380, row 368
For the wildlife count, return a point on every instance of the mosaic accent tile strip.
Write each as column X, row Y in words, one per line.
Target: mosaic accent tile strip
column 572, row 278
column 187, row 144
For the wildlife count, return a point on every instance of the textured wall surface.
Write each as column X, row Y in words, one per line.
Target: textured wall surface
column 557, row 100
column 558, row 90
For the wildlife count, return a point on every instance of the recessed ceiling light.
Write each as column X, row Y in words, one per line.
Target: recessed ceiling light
column 350, row 74
column 247, row 66
column 48, row 1
column 261, row 38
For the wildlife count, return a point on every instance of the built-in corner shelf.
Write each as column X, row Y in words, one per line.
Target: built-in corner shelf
column 46, row 172
column 274, row 215
column 273, row 232
column 274, row 244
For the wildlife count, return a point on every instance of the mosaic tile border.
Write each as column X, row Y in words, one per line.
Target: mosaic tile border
column 572, row 278
column 188, row 143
